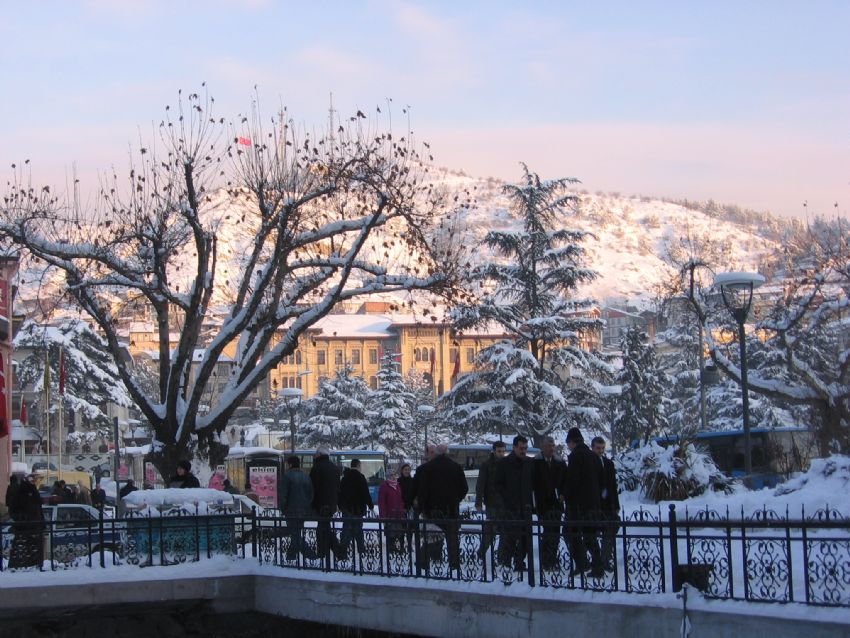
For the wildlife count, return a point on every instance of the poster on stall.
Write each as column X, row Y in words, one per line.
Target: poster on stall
column 264, row 483
column 123, row 470
column 217, row 478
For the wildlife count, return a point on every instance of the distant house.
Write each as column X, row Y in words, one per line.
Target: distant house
column 618, row 322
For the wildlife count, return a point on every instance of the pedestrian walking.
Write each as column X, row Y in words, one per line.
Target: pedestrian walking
column 325, row 478
column 129, row 488
column 487, row 498
column 582, row 482
column 440, row 490
column 392, row 510
column 354, row 501
column 229, row 487
column 515, row 484
column 98, row 497
column 27, row 545
column 610, row 505
column 295, row 501
column 549, row 472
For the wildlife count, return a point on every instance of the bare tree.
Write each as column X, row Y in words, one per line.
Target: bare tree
column 322, row 219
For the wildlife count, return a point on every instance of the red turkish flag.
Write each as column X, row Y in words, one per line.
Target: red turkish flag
column 243, row 141
column 456, row 370
column 23, row 412
column 4, row 422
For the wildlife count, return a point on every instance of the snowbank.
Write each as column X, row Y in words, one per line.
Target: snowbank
column 177, row 496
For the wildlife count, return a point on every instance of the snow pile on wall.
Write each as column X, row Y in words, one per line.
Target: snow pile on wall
column 672, row 473
column 194, row 500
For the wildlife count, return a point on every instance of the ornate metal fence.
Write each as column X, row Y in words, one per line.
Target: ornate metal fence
column 766, row 556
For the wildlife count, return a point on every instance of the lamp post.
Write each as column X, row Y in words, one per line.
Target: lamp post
column 736, row 288
column 292, row 398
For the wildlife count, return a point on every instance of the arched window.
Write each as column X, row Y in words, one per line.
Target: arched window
column 417, row 354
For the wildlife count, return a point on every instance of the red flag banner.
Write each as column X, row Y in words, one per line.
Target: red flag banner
column 24, row 412
column 433, row 362
column 61, row 372
column 243, row 141
column 4, row 422
column 456, row 369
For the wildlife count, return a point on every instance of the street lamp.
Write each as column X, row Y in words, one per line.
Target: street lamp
column 736, row 288
column 292, row 398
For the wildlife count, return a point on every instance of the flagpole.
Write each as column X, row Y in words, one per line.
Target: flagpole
column 61, row 410
column 47, row 407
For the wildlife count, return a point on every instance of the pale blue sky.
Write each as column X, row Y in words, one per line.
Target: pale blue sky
column 745, row 102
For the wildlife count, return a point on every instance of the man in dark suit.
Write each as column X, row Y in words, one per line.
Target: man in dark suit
column 549, row 473
column 582, row 489
column 487, row 496
column 441, row 488
column 324, row 475
column 610, row 500
column 515, row 484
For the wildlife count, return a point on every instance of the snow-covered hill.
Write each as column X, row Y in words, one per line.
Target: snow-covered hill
column 629, row 237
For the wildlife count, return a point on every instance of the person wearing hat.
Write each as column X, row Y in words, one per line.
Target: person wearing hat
column 582, row 488
column 184, row 476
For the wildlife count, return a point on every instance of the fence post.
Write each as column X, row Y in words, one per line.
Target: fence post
column 674, row 549
column 255, row 534
column 100, row 534
column 530, row 550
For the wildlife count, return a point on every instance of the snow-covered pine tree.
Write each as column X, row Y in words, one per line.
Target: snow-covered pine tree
column 529, row 292
column 641, row 409
column 91, row 377
column 336, row 415
column 390, row 411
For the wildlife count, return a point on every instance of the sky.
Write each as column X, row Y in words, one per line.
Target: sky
column 744, row 102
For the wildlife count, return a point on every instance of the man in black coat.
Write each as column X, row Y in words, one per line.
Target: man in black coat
column 354, row 501
column 27, row 547
column 549, row 473
column 610, row 501
column 325, row 478
column 441, row 488
column 582, row 483
column 184, row 477
column 487, row 497
column 515, row 484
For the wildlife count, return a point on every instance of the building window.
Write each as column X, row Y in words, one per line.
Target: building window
column 373, row 355
column 452, row 355
column 470, row 355
column 338, row 358
column 320, row 357
column 417, row 354
column 373, row 382
column 298, row 357
column 425, row 355
column 355, row 357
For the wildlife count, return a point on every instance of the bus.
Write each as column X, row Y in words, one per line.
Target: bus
column 263, row 468
column 777, row 453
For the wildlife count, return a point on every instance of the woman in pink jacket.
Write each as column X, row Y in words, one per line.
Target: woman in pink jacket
column 391, row 506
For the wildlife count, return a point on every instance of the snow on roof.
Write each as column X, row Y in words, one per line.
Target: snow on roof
column 357, row 326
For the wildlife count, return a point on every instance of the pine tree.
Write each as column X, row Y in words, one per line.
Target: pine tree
column 336, row 415
column 641, row 410
column 91, row 377
column 540, row 379
column 390, row 408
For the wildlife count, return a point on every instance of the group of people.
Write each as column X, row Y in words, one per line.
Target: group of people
column 513, row 487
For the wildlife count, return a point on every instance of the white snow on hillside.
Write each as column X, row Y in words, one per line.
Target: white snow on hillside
column 629, row 238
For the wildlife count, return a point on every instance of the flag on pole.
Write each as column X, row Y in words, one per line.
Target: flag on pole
column 4, row 423
column 243, row 141
column 61, row 372
column 456, row 369
column 23, row 412
column 433, row 362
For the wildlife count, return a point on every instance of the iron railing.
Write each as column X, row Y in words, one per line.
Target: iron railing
column 765, row 557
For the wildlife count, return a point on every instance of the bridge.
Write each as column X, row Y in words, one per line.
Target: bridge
column 716, row 572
